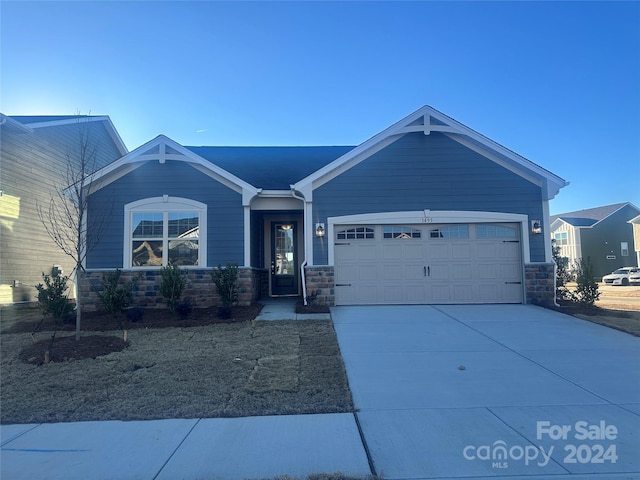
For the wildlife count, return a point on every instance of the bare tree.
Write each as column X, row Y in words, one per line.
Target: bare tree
column 65, row 218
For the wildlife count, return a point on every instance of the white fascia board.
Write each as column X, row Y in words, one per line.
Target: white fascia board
column 634, row 220
column 115, row 136
column 359, row 153
column 12, row 124
column 115, row 170
column 455, row 130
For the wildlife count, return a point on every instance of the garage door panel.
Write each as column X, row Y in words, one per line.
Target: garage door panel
column 424, row 269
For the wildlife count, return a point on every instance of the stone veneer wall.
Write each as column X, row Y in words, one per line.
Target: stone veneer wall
column 320, row 282
column 200, row 289
column 539, row 283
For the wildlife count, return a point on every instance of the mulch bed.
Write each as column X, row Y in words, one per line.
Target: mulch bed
column 150, row 318
column 302, row 308
column 66, row 348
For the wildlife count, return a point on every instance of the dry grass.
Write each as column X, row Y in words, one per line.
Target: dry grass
column 221, row 370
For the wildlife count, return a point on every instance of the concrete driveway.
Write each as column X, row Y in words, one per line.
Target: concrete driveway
column 492, row 390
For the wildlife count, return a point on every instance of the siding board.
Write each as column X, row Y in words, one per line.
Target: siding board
column 32, row 169
column 419, row 172
column 224, row 213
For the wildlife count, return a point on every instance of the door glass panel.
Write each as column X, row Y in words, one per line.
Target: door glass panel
column 284, row 250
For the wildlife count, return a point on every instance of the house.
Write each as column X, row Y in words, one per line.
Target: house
column 426, row 211
column 635, row 223
column 34, row 153
column 602, row 234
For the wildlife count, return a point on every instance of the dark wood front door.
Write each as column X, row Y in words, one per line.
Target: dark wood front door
column 284, row 271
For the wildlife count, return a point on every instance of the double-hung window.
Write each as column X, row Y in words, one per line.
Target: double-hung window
column 165, row 231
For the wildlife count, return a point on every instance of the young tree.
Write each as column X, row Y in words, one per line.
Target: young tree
column 563, row 275
column 65, row 217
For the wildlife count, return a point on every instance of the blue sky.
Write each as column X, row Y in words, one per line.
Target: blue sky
column 557, row 82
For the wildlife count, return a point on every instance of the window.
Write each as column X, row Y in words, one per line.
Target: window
column 624, row 249
column 495, row 231
column 355, row 233
column 450, row 231
column 561, row 238
column 400, row 232
column 164, row 231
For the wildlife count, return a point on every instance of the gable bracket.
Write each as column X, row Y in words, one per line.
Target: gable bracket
column 427, row 127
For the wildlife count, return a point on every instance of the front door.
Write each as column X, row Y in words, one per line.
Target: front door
column 284, row 278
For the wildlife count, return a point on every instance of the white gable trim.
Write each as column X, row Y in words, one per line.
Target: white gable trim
column 161, row 149
column 421, row 121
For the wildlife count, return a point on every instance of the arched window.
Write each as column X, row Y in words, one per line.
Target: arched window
column 163, row 231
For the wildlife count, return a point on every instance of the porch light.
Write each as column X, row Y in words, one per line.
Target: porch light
column 536, row 227
column 319, row 229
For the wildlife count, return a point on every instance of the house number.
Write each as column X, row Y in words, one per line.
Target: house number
column 427, row 220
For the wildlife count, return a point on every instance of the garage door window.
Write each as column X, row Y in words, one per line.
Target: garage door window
column 356, row 233
column 495, row 231
column 450, row 231
column 401, row 232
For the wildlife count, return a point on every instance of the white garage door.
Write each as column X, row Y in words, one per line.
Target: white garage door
column 428, row 264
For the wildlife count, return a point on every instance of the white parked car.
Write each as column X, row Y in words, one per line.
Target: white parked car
column 621, row 276
column 634, row 278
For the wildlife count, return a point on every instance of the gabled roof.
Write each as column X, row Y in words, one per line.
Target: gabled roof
column 161, row 149
column 427, row 120
column 590, row 216
column 271, row 168
column 43, row 121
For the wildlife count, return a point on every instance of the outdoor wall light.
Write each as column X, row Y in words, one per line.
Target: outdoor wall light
column 536, row 227
column 319, row 229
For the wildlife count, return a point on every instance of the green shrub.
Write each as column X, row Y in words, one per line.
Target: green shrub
column 172, row 285
column 226, row 281
column 52, row 297
column 116, row 296
column 586, row 293
column 563, row 275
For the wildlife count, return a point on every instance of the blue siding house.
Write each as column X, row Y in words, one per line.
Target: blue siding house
column 426, row 211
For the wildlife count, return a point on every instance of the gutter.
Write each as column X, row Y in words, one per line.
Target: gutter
column 304, row 261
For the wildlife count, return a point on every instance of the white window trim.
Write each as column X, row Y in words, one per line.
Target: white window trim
column 165, row 204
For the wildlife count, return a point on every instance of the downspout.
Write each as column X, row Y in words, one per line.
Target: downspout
column 304, row 260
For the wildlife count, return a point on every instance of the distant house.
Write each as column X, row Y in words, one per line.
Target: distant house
column 635, row 223
column 602, row 234
column 428, row 211
column 33, row 158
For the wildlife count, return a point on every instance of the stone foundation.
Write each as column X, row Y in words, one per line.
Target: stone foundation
column 200, row 289
column 320, row 283
column 539, row 283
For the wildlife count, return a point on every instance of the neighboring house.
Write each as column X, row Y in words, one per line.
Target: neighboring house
column 604, row 235
column 34, row 152
column 426, row 211
column 635, row 223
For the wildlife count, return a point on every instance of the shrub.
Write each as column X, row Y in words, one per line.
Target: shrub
column 52, row 297
column 226, row 281
column 115, row 296
column 563, row 275
column 172, row 285
column 586, row 293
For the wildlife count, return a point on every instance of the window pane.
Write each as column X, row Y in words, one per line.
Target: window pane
column 146, row 253
column 147, row 225
column 495, row 231
column 183, row 224
column 450, row 231
column 400, row 232
column 183, row 252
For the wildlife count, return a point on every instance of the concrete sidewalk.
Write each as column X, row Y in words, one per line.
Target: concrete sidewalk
column 220, row 448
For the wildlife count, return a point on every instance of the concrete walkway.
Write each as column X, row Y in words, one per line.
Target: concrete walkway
column 487, row 390
column 442, row 392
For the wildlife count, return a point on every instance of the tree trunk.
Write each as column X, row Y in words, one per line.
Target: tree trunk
column 76, row 281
